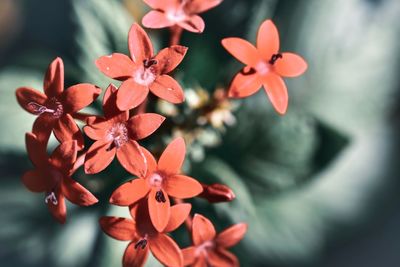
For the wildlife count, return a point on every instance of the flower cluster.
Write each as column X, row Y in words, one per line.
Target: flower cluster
column 155, row 197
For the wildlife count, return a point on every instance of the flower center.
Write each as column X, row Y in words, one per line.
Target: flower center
column 177, row 15
column 204, row 247
column 156, row 180
column 142, row 243
column 118, row 133
column 51, row 198
column 52, row 106
column 146, row 74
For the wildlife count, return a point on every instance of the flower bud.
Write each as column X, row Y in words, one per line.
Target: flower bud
column 215, row 193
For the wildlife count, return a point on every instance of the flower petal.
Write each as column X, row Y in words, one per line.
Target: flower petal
column 290, row 65
column 42, row 127
column 97, row 130
column 36, row 150
column 54, row 80
column 277, row 93
column 162, row 4
column 139, row 44
column 119, row 228
column 193, row 24
column 201, row 261
column 150, row 160
column 166, row 250
column 167, row 88
column 232, row 235
column 59, row 210
column 222, row 258
column 169, row 58
column 135, row 257
column 181, row 186
column 199, row 6
column 144, row 124
column 116, row 66
column 66, row 129
column 179, row 213
column 172, row 158
column 132, row 159
column 76, row 193
column 189, row 255
column 242, row 50
column 131, row 94
column 268, row 39
column 130, row 192
column 202, row 230
column 110, row 108
column 64, row 156
column 244, row 84
column 79, row 96
column 99, row 156
column 156, row 20
column 159, row 211
column 28, row 97
column 35, row 181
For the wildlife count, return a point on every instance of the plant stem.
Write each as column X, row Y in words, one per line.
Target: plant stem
column 176, row 33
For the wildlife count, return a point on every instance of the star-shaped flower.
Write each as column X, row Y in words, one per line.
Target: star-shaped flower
column 265, row 66
column 53, row 176
column 144, row 71
column 143, row 236
column 183, row 13
column 209, row 248
column 162, row 180
column 56, row 106
column 117, row 134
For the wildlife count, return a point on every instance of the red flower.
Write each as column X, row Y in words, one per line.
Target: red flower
column 143, row 236
column 182, row 13
column 209, row 248
column 143, row 71
column 56, row 106
column 265, row 66
column 162, row 180
column 53, row 176
column 117, row 134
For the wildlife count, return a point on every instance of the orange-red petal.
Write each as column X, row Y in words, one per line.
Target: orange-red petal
column 167, row 88
column 110, row 108
column 201, row 261
column 193, row 24
column 169, row 58
column 59, row 210
column 244, row 84
column 119, row 228
column 116, row 66
column 131, row 94
column 97, row 130
column 277, row 93
column 268, row 39
column 26, row 98
column 132, row 159
column 36, row 150
column 64, row 156
column 43, row 126
column 144, row 124
column 172, row 158
column 159, row 211
column 79, row 96
column 189, row 255
column 35, row 181
column 99, row 156
column 232, row 235
column 130, row 192
column 66, row 129
column 222, row 258
column 166, row 250
column 150, row 160
column 54, row 79
column 76, row 193
column 139, row 44
column 178, row 215
column 135, row 257
column 156, row 20
column 162, row 4
column 181, row 186
column 202, row 230
column 242, row 50
column 290, row 65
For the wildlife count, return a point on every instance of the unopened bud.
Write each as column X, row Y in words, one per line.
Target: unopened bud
column 215, row 193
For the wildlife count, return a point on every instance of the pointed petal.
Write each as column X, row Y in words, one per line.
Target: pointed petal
column 79, row 96
column 28, row 97
column 64, row 156
column 202, row 230
column 232, row 235
column 36, row 150
column 110, row 108
column 172, row 158
column 181, row 186
column 42, row 127
column 66, row 129
column 156, row 20
column 98, row 157
column 119, row 228
column 144, row 124
column 116, row 66
column 290, row 65
column 162, row 4
column 201, row 261
column 244, row 84
column 242, row 50
column 97, row 130
column 179, row 213
column 222, row 258
column 139, row 44
column 159, row 211
column 54, row 80
column 131, row 94
column 189, row 255
column 277, row 93
column 35, row 181
column 193, row 24
column 150, row 160
column 135, row 257
column 132, row 159
column 167, row 88
column 76, row 193
column 268, row 39
column 166, row 250
column 59, row 210
column 199, row 6
column 130, row 192
column 169, row 58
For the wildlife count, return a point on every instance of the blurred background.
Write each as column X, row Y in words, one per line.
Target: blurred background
column 318, row 187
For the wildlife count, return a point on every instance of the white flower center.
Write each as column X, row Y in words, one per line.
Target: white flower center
column 144, row 76
column 118, row 133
